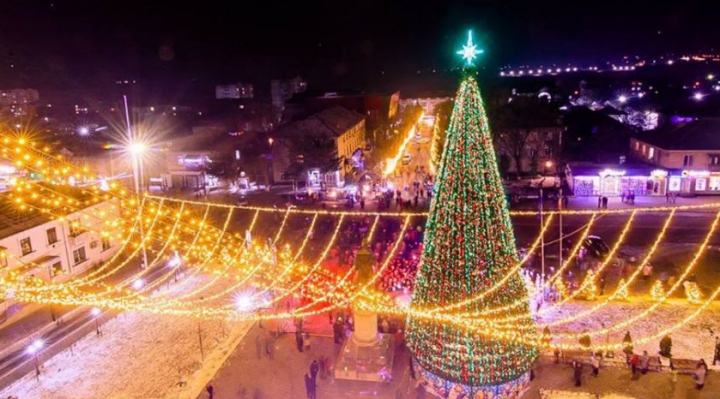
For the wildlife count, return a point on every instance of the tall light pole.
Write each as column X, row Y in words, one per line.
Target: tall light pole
column 269, row 164
column 34, row 350
column 136, row 149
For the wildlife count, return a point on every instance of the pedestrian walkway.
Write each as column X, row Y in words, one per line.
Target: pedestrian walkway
column 640, row 202
column 250, row 373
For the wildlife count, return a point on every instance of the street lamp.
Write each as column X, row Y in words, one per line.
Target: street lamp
column 622, row 99
column 269, row 164
column 95, row 313
column 33, row 350
column 548, row 165
column 698, row 96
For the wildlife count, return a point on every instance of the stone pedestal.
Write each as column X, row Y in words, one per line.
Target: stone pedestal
column 366, row 362
column 366, row 328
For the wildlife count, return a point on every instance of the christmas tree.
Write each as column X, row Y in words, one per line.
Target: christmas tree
column 469, row 246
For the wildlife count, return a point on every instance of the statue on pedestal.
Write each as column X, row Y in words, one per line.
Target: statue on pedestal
column 366, row 329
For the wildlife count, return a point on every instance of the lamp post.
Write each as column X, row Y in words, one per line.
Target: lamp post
column 268, row 167
column 34, row 350
column 136, row 148
column 95, row 312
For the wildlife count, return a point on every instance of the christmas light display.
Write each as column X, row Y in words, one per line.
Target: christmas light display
column 469, row 245
column 657, row 291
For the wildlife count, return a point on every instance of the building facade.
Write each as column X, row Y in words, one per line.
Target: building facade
column 689, row 152
column 58, row 250
column 234, row 91
column 283, row 90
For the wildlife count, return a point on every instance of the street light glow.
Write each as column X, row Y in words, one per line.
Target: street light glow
column 35, row 346
column 95, row 312
column 137, row 284
column 622, row 99
column 698, row 96
column 137, row 148
column 244, row 302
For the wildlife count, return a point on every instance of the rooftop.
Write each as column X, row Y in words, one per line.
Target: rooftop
column 698, row 135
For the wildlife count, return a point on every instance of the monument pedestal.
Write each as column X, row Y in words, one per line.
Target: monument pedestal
column 367, row 355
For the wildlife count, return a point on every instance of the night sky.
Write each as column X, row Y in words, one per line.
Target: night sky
column 335, row 44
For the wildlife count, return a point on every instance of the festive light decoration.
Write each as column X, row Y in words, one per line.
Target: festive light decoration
column 657, row 291
column 622, row 292
column 469, row 245
column 469, row 51
column 560, row 289
column 692, row 292
column 589, row 288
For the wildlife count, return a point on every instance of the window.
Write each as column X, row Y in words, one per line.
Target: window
column 644, row 149
column 651, row 152
column 52, row 236
column 56, row 269
column 26, row 246
column 714, row 159
column 93, row 244
column 700, row 184
column 637, row 146
column 3, row 257
column 548, row 152
column 105, row 243
column 687, row 160
column 79, row 255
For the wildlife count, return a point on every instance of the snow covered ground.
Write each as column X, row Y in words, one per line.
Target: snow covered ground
column 694, row 340
column 137, row 356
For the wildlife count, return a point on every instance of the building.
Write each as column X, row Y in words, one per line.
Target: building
column 377, row 108
column 428, row 103
column 537, row 153
column 587, row 180
column 283, row 90
column 344, row 128
column 689, row 151
column 60, row 249
column 234, row 91
column 18, row 96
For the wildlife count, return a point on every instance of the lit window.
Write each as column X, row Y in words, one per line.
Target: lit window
column 687, row 160
column 105, row 243
column 651, row 153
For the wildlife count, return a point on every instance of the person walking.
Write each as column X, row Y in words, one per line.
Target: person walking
column 210, row 390
column 309, row 389
column 299, row 340
column 644, row 362
column 604, row 202
column 577, row 373
column 412, row 369
column 595, row 363
column 314, row 368
column 600, row 201
column 634, row 360
column 258, row 345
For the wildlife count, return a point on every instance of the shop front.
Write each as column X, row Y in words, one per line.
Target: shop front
column 610, row 182
column 695, row 182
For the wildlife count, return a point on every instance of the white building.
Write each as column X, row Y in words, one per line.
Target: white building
column 57, row 250
column 234, row 91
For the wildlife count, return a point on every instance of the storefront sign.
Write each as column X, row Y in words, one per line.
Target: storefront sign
column 659, row 173
column 612, row 172
column 696, row 173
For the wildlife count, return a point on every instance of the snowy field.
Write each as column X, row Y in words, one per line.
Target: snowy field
column 694, row 340
column 146, row 356
column 137, row 356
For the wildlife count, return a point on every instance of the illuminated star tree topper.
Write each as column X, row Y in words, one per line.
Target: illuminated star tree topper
column 470, row 51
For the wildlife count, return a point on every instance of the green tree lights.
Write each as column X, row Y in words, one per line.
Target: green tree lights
column 469, row 245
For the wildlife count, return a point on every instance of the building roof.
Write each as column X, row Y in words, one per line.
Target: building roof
column 337, row 119
column 330, row 122
column 699, row 135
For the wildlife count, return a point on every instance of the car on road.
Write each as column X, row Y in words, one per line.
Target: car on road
column 423, row 140
column 593, row 245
